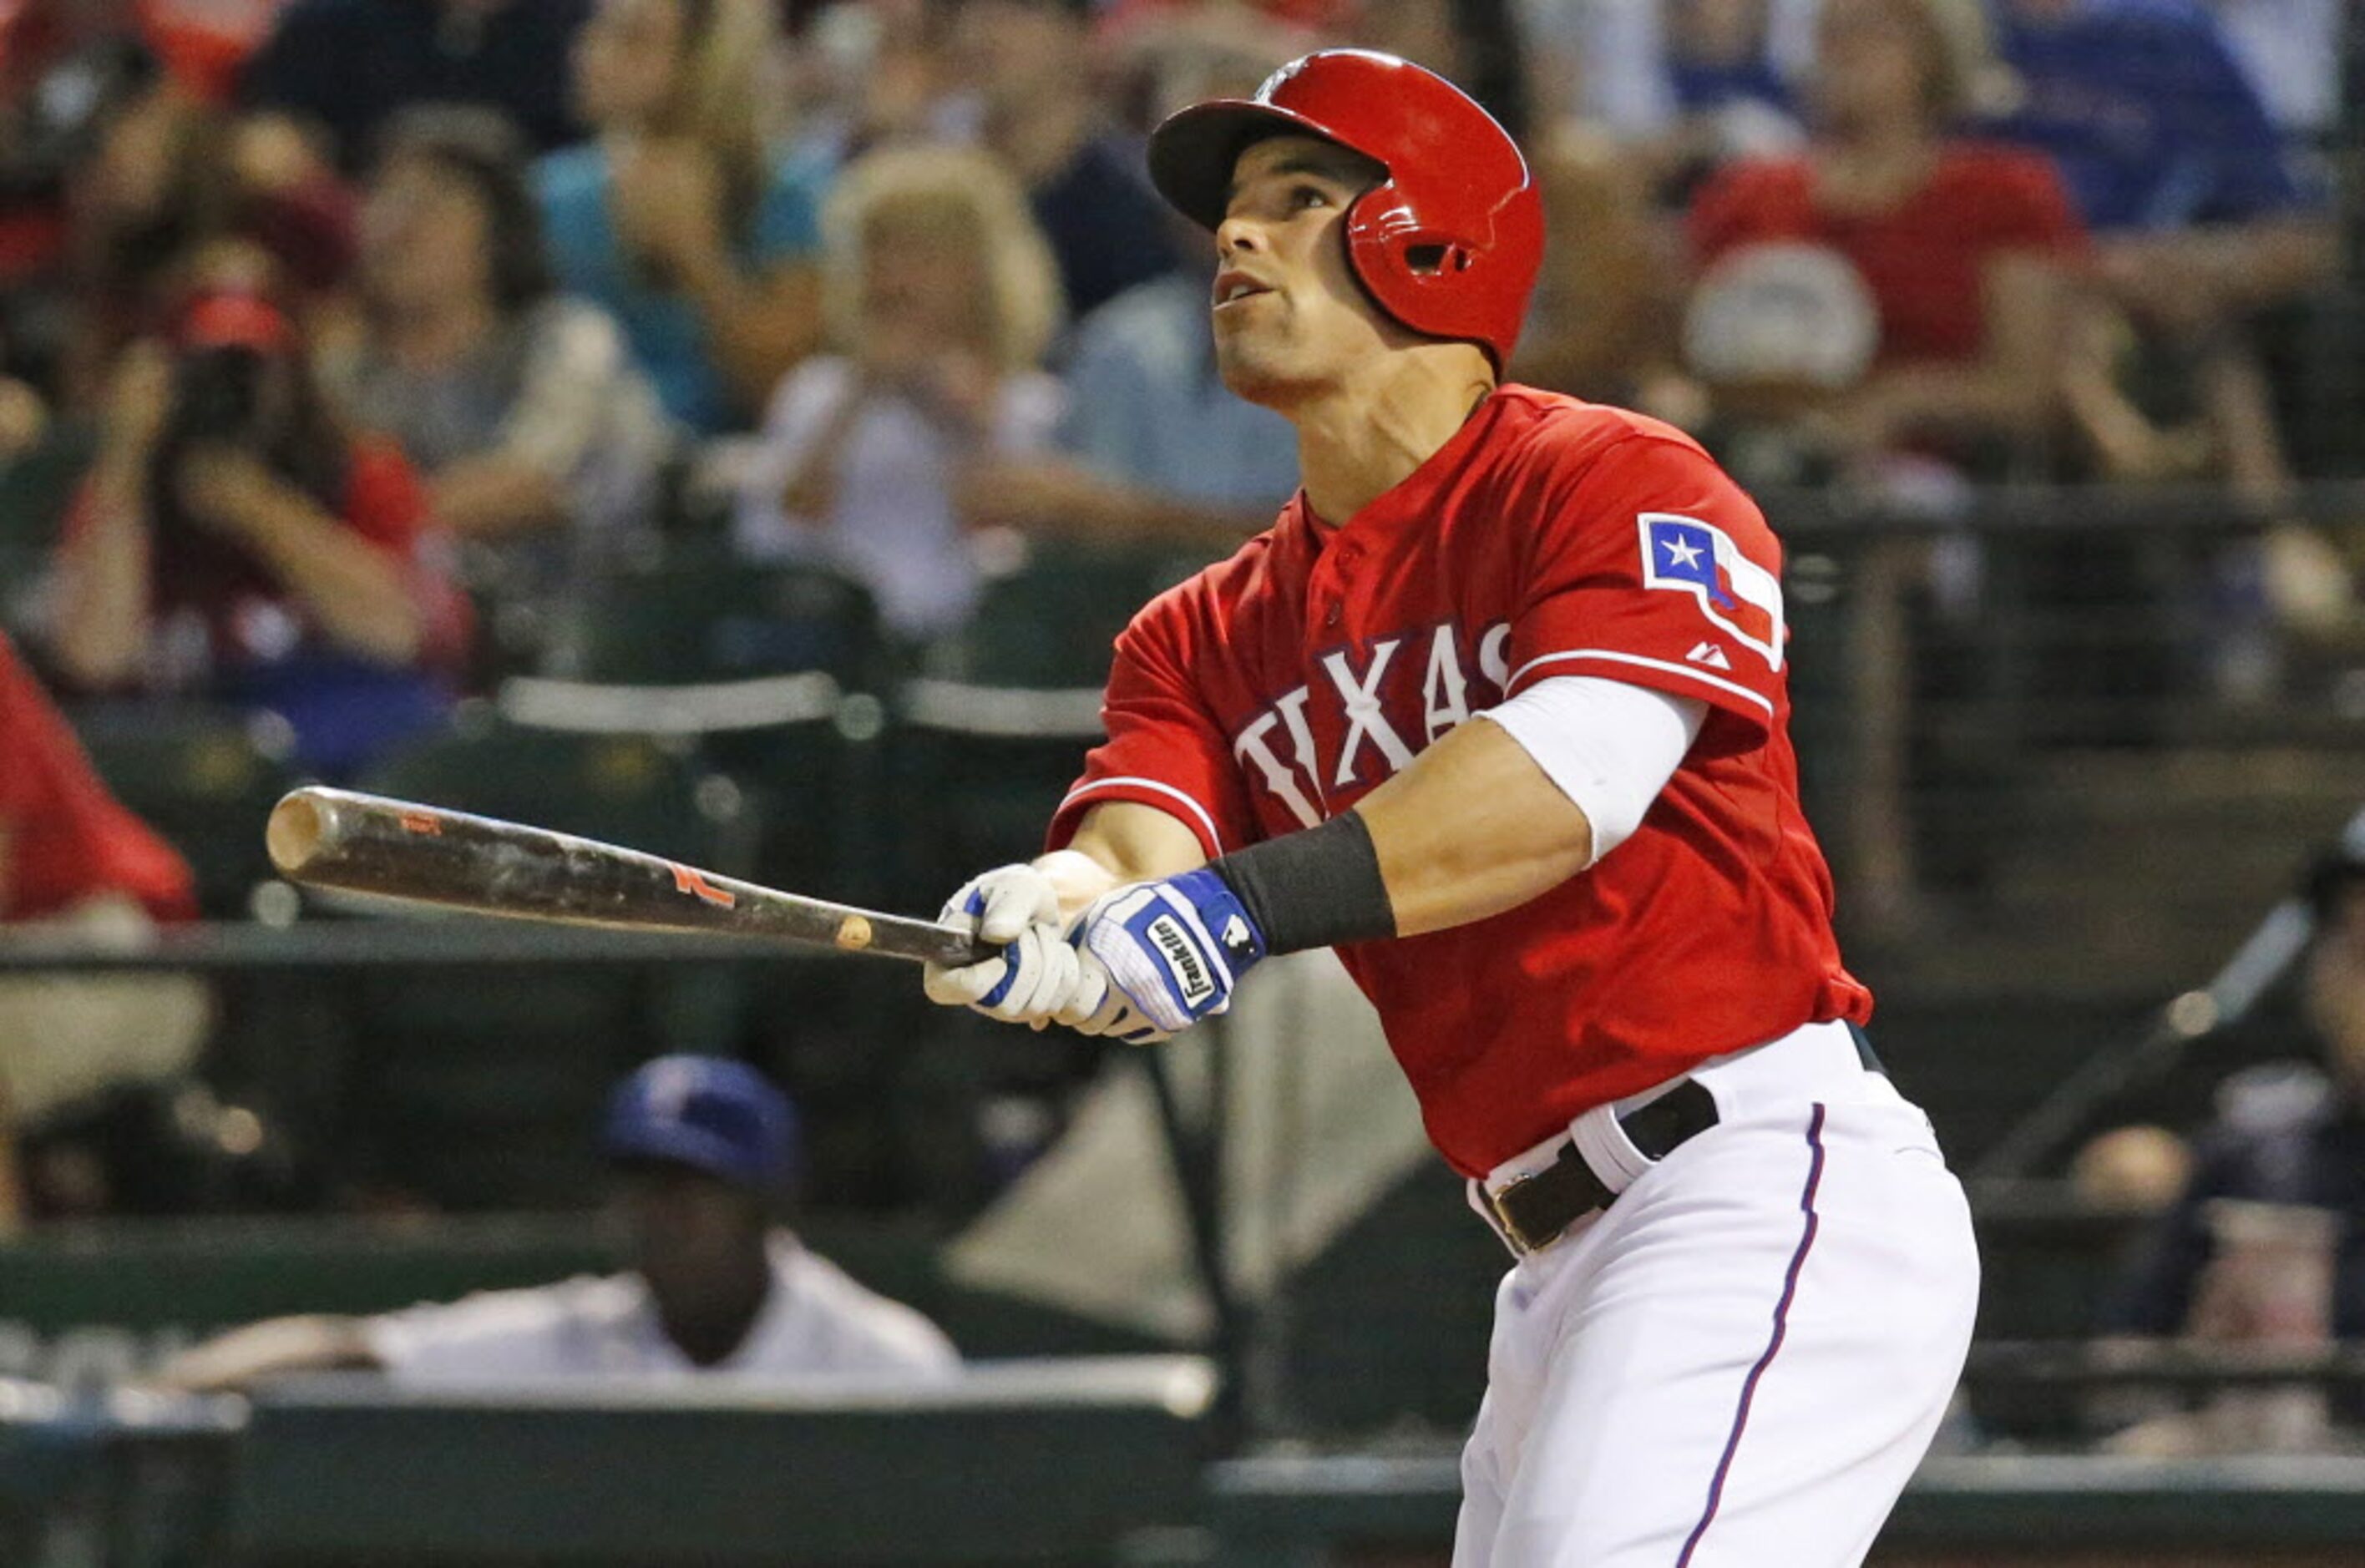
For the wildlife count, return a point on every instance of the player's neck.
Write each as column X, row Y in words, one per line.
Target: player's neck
column 1366, row 436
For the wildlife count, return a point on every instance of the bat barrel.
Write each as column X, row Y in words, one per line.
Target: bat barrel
column 365, row 844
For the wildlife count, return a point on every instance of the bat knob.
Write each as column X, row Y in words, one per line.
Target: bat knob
column 293, row 835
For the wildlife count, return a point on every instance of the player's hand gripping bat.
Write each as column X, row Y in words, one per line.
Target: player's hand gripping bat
column 367, row 843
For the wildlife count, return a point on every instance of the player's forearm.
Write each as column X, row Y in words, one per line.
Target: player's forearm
column 1473, row 827
column 1119, row 843
column 243, row 1356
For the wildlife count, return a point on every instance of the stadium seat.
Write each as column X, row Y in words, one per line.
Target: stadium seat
column 1052, row 623
column 703, row 615
column 205, row 778
column 1006, row 754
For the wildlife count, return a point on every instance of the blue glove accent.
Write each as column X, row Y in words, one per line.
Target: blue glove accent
column 1009, row 978
column 1175, row 949
column 1226, row 918
column 975, row 905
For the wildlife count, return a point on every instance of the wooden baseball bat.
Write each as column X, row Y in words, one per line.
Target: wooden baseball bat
column 369, row 844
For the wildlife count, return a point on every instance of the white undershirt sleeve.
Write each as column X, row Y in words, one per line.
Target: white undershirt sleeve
column 1609, row 745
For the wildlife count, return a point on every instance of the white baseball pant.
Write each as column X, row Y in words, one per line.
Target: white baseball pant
column 1740, row 1362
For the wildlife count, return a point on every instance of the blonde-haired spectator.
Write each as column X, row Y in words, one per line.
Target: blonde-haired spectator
column 684, row 218
column 941, row 298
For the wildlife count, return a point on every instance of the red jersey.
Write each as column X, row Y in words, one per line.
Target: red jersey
column 68, row 839
column 1924, row 259
column 1547, row 537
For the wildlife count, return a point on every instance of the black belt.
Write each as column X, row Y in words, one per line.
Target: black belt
column 1534, row 1210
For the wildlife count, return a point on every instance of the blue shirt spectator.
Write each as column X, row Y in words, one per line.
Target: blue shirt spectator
column 662, row 325
column 2143, row 106
column 1706, row 87
column 1147, row 407
column 349, row 64
column 1104, row 221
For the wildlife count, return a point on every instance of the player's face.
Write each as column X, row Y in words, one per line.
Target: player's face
column 1291, row 322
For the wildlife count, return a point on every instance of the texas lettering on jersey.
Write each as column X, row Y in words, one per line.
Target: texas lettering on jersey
column 1548, row 537
column 1387, row 701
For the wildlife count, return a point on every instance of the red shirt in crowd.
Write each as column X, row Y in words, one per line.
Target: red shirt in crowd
column 1924, row 259
column 248, row 619
column 68, row 840
column 1548, row 537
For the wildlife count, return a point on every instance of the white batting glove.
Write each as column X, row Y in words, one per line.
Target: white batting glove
column 1035, row 978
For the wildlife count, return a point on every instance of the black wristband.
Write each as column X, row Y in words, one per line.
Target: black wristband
column 1314, row 889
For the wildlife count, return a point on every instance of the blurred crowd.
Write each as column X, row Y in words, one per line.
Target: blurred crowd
column 377, row 329
column 351, row 349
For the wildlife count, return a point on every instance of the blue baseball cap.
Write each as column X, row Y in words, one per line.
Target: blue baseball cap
column 709, row 1113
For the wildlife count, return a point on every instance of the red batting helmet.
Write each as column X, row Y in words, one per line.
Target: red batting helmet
column 1448, row 243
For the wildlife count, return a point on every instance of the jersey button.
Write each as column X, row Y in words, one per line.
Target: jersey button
column 1331, row 617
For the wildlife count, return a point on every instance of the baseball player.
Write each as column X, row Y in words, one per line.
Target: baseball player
column 1497, row 709
column 703, row 1146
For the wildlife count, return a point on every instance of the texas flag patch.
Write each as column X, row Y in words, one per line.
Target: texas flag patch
column 1734, row 592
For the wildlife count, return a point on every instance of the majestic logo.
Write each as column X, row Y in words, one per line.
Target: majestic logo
column 1191, row 981
column 1734, row 592
column 1707, row 654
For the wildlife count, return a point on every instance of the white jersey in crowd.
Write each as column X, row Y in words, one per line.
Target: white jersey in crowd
column 815, row 1320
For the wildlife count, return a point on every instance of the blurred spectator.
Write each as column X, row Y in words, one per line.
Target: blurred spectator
column 1153, row 447
column 1943, row 258
column 863, row 72
column 2291, row 53
column 24, row 418
column 541, row 440
column 685, row 220
column 941, row 298
column 704, row 1149
column 1602, row 324
column 152, row 177
column 1029, row 63
column 76, row 866
column 1476, row 44
column 2290, row 1135
column 1685, row 85
column 202, row 43
column 232, row 541
column 347, row 65
column 2131, row 1169
column 2201, row 218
